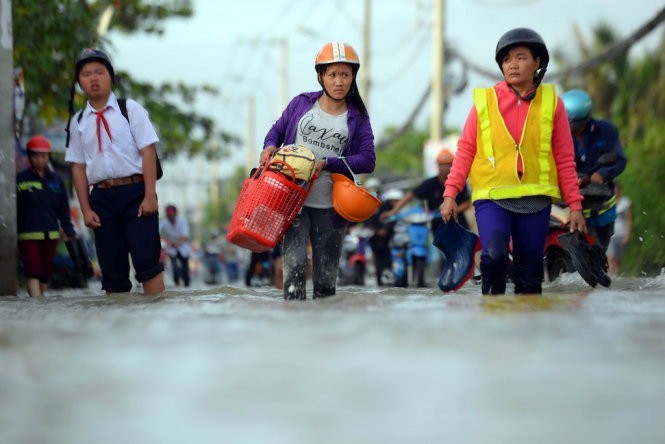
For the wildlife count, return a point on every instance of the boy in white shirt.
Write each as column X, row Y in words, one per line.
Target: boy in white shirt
column 114, row 172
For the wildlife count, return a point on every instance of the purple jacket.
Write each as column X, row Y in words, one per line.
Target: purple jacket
column 359, row 153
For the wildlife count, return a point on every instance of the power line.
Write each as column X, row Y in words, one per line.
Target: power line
column 582, row 68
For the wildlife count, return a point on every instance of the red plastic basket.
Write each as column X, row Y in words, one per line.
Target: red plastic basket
column 267, row 205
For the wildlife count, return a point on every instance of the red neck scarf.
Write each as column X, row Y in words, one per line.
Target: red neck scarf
column 102, row 119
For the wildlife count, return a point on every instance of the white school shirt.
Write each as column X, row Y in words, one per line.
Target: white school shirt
column 119, row 157
column 623, row 205
column 174, row 231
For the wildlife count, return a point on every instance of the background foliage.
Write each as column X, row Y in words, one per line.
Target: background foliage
column 48, row 36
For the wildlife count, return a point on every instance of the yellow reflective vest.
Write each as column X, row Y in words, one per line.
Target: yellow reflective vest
column 494, row 172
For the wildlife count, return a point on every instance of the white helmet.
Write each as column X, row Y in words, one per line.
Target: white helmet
column 393, row 194
column 373, row 183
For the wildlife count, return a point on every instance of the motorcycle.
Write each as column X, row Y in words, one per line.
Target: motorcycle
column 409, row 249
column 355, row 246
column 557, row 259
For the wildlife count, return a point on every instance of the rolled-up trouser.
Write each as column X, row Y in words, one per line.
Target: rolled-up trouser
column 123, row 233
column 528, row 231
column 324, row 229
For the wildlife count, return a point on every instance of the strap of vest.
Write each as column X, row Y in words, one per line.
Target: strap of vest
column 480, row 101
column 548, row 105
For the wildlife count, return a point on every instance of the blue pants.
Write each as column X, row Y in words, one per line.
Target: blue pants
column 123, row 233
column 528, row 232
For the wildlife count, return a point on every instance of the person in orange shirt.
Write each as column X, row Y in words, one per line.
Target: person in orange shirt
column 517, row 152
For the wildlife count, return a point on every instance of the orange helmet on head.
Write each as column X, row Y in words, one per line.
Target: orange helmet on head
column 337, row 52
column 350, row 201
column 445, row 157
column 38, row 144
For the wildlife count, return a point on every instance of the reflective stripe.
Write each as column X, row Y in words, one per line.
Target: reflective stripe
column 480, row 100
column 513, row 191
column 338, row 50
column 609, row 203
column 39, row 235
column 547, row 107
column 28, row 185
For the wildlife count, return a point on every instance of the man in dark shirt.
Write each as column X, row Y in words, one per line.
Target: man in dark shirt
column 431, row 192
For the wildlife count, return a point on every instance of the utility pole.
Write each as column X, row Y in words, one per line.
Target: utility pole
column 8, row 284
column 284, row 93
column 438, row 61
column 365, row 62
column 252, row 161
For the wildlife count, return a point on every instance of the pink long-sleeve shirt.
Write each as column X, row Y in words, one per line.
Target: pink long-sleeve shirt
column 514, row 112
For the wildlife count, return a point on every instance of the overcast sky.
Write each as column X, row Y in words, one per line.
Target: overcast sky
column 237, row 47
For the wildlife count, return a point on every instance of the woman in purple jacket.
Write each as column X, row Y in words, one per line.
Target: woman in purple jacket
column 333, row 123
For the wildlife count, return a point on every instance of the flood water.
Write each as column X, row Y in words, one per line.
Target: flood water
column 241, row 365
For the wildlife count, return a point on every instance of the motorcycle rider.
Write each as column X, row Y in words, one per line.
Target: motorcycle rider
column 431, row 192
column 383, row 233
column 593, row 138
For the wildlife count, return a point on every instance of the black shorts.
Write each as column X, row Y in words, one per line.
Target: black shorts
column 122, row 233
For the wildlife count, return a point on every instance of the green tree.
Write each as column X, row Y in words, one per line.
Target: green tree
column 219, row 209
column 48, row 37
column 403, row 156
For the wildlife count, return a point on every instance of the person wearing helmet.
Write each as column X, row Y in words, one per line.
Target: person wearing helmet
column 430, row 191
column 593, row 138
column 175, row 231
column 42, row 211
column 333, row 122
column 383, row 230
column 373, row 186
column 114, row 171
column 517, row 153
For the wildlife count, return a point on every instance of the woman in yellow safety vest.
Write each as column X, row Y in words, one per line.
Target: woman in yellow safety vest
column 517, row 152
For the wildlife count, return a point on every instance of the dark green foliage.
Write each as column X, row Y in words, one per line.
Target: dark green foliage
column 48, row 37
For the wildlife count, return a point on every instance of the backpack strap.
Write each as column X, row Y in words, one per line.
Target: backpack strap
column 122, row 103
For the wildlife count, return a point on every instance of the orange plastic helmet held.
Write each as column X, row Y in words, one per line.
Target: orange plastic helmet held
column 352, row 202
column 445, row 157
column 39, row 144
column 337, row 52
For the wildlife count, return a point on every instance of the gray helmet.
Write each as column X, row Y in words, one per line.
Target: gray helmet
column 93, row 55
column 528, row 38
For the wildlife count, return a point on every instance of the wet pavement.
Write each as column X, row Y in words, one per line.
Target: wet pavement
column 241, row 365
